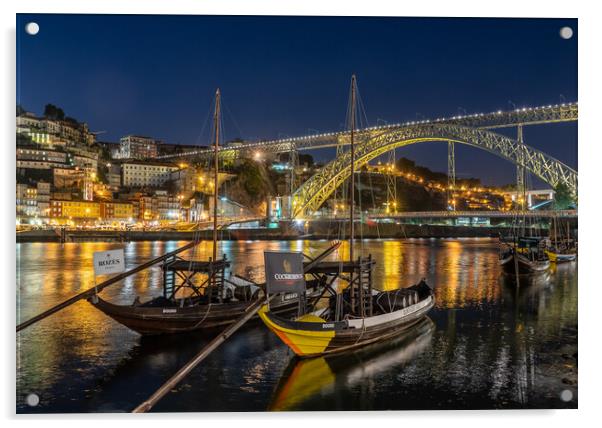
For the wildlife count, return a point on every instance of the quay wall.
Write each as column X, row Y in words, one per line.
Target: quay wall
column 313, row 230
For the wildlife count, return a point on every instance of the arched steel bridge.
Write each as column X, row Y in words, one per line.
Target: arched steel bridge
column 473, row 130
column 314, row 192
column 499, row 119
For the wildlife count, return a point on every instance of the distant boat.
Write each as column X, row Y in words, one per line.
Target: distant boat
column 556, row 256
column 561, row 249
column 526, row 257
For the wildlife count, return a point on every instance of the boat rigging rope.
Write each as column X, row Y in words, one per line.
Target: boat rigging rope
column 363, row 331
column 204, row 317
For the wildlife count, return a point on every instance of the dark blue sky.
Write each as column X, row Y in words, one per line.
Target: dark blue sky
column 156, row 75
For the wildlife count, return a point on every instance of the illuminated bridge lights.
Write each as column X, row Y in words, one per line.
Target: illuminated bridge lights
column 498, row 119
column 314, row 192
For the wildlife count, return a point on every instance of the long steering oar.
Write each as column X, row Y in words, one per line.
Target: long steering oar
column 215, row 343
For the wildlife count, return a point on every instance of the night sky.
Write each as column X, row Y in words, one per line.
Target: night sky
column 287, row 76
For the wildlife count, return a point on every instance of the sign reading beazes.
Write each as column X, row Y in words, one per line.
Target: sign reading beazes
column 108, row 262
column 284, row 272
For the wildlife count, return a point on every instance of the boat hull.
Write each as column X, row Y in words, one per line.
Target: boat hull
column 560, row 257
column 315, row 338
column 525, row 266
column 167, row 320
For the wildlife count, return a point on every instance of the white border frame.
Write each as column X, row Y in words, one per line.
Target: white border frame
column 590, row 97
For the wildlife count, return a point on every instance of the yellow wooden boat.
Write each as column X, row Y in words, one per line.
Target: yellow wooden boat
column 393, row 312
column 358, row 315
column 557, row 257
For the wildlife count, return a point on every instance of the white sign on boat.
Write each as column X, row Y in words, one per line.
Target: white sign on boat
column 108, row 262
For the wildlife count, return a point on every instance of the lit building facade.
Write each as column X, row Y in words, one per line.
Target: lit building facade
column 160, row 206
column 74, row 209
column 116, row 211
column 88, row 210
column 145, row 174
column 58, row 132
column 29, row 157
column 137, row 147
column 33, row 201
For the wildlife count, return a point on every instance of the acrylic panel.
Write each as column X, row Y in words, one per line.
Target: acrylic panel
column 424, row 168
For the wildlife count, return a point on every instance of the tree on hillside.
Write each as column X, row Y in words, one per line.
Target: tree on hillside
column 563, row 197
column 251, row 186
column 53, row 112
column 406, row 165
column 20, row 110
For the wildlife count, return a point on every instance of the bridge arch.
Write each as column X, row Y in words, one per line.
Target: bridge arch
column 315, row 191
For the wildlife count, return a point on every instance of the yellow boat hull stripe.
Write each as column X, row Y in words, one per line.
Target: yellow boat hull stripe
column 302, row 342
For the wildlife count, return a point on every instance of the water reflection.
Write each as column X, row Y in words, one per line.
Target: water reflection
column 491, row 346
column 306, row 379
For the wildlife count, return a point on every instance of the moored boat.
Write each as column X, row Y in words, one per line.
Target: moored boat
column 523, row 264
column 561, row 248
column 311, row 335
column 526, row 257
column 357, row 315
column 196, row 293
column 164, row 316
column 560, row 257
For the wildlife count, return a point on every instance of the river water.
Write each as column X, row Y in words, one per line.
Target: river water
column 484, row 345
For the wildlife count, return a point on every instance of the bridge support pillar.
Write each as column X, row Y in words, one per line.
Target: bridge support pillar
column 520, row 173
column 293, row 162
column 451, row 176
column 391, row 178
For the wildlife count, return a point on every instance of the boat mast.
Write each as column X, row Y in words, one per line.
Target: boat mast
column 215, row 167
column 351, row 226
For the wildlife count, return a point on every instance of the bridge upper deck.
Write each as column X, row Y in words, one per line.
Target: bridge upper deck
column 567, row 112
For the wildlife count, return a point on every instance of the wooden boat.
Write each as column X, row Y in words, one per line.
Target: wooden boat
column 196, row 293
column 311, row 335
column 526, row 257
column 561, row 249
column 163, row 316
column 359, row 315
column 556, row 256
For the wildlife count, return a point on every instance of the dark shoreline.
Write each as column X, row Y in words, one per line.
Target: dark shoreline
column 313, row 233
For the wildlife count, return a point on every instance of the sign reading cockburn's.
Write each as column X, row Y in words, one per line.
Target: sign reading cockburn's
column 284, row 272
column 107, row 262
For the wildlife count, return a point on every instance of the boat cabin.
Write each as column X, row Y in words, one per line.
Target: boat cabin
column 200, row 279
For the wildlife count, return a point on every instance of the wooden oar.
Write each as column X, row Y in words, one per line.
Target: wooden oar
column 91, row 291
column 215, row 343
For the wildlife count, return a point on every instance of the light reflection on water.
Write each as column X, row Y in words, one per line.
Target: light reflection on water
column 488, row 346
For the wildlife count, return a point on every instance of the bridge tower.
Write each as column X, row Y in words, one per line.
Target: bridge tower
column 340, row 193
column 293, row 161
column 520, row 173
column 451, row 176
column 391, row 177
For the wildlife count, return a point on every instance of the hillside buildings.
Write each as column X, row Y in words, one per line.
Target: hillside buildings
column 145, row 174
column 137, row 147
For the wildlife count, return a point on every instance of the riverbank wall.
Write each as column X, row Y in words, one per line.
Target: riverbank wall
column 313, row 230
